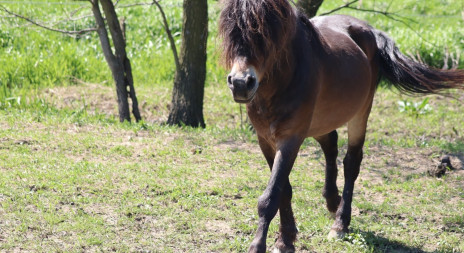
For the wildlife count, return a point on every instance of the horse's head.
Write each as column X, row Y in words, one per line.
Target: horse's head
column 255, row 37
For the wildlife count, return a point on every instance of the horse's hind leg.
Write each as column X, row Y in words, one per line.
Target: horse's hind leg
column 351, row 163
column 328, row 144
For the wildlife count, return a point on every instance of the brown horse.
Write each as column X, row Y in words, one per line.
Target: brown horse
column 305, row 78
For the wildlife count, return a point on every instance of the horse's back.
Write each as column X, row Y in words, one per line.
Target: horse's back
column 338, row 31
column 347, row 60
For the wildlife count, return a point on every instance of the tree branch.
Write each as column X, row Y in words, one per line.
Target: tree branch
column 135, row 4
column 168, row 32
column 339, row 8
column 69, row 33
column 115, row 28
column 386, row 13
column 103, row 34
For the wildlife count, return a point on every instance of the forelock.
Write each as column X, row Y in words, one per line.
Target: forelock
column 256, row 29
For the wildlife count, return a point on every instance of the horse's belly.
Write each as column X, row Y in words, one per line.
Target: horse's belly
column 323, row 124
column 335, row 108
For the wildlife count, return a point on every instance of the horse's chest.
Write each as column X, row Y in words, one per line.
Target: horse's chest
column 271, row 124
column 263, row 121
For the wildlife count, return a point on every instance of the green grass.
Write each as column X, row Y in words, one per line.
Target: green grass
column 77, row 181
column 73, row 179
column 82, row 183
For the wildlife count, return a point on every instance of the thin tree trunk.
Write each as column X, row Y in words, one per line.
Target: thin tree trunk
column 189, row 81
column 118, row 61
column 310, row 7
column 130, row 84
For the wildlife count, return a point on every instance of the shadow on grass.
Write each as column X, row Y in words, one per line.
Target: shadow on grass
column 381, row 244
column 455, row 149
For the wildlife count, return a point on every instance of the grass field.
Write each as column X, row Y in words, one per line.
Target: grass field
column 73, row 179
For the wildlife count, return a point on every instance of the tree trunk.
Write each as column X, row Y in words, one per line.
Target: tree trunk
column 117, row 61
column 189, row 81
column 310, row 7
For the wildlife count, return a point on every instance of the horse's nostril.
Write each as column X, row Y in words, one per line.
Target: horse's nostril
column 229, row 79
column 250, row 81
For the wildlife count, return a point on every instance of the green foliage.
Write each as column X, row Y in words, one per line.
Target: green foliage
column 358, row 240
column 415, row 108
column 33, row 58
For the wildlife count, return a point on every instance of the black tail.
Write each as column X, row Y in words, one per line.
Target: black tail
column 410, row 76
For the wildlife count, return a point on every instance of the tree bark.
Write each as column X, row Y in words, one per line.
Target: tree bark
column 189, row 81
column 117, row 61
column 310, row 7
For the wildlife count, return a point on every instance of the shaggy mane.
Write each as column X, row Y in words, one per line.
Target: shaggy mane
column 256, row 29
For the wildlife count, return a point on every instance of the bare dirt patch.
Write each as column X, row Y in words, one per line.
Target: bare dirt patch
column 95, row 97
column 98, row 98
column 379, row 159
column 220, row 227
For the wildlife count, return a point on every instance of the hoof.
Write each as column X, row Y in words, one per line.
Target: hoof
column 281, row 247
column 336, row 235
column 276, row 250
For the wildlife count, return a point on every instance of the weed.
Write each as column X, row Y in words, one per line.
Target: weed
column 415, row 108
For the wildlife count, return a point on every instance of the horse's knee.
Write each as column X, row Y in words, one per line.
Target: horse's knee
column 287, row 192
column 267, row 206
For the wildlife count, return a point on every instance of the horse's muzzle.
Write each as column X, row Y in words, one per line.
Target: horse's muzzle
column 243, row 87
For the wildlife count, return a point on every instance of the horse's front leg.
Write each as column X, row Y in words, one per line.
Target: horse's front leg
column 287, row 229
column 271, row 199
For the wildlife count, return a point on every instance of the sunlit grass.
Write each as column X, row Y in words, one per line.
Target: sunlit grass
column 72, row 178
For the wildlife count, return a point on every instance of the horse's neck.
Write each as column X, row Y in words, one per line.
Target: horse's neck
column 278, row 80
column 295, row 71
